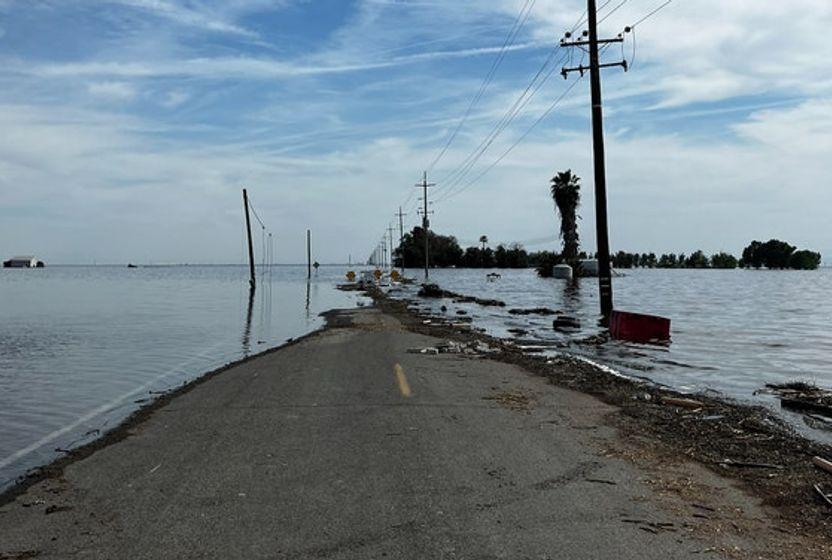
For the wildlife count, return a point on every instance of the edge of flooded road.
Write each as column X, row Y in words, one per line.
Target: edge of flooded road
column 123, row 429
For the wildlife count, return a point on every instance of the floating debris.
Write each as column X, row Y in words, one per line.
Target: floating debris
column 566, row 323
column 802, row 397
column 434, row 291
column 535, row 311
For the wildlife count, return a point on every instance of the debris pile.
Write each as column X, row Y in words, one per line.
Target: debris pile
column 803, row 397
column 476, row 348
column 535, row 311
column 434, row 291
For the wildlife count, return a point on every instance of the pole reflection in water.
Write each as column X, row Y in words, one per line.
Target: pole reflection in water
column 307, row 298
column 247, row 329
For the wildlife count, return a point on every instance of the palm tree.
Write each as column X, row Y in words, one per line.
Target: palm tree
column 566, row 192
column 484, row 241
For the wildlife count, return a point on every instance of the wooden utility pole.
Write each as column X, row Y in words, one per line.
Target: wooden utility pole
column 308, row 254
column 425, row 221
column 390, row 235
column 601, row 227
column 252, row 281
column 401, row 215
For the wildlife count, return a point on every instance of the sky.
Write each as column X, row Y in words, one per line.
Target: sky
column 129, row 127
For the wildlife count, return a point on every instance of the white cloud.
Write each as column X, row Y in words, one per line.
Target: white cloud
column 242, row 66
column 187, row 16
column 112, row 91
column 173, row 99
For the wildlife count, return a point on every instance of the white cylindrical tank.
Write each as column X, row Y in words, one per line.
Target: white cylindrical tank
column 562, row 272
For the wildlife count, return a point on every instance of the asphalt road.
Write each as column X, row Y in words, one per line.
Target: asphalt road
column 346, row 446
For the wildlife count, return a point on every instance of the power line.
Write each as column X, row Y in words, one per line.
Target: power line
column 519, row 22
column 651, row 14
column 516, row 142
column 611, row 12
column 456, row 176
column 583, row 18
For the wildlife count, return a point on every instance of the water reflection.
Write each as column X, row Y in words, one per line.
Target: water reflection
column 247, row 327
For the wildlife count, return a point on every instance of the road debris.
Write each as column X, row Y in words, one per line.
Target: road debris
column 823, row 464
column 823, row 494
column 750, row 465
column 690, row 404
column 512, row 400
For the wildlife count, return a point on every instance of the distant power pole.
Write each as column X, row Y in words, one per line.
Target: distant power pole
column 401, row 215
column 390, row 235
column 601, row 228
column 252, row 281
column 425, row 221
column 308, row 254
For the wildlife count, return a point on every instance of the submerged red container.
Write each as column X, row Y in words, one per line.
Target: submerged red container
column 637, row 327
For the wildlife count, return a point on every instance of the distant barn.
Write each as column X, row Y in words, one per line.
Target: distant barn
column 23, row 262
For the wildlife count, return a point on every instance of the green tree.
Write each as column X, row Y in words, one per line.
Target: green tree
column 777, row 254
column 697, row 259
column 444, row 249
column 566, row 192
column 805, row 260
column 667, row 261
column 752, row 256
column 501, row 257
column 723, row 260
column 517, row 256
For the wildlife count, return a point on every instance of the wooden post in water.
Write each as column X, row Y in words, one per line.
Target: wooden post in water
column 251, row 281
column 308, row 254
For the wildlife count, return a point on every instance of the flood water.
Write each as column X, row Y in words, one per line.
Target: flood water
column 732, row 330
column 83, row 347
column 79, row 346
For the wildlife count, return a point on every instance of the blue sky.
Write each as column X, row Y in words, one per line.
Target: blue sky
column 129, row 126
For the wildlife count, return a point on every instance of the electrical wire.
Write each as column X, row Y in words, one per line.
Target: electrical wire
column 519, row 140
column 450, row 193
column 583, row 18
column 519, row 22
column 611, row 12
column 456, row 176
column 651, row 14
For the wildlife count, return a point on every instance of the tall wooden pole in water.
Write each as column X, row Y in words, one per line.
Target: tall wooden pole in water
column 308, row 253
column 601, row 231
column 251, row 281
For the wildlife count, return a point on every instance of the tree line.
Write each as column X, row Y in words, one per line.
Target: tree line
column 773, row 254
column 446, row 252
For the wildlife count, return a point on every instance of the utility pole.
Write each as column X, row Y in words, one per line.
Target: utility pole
column 308, row 254
column 425, row 221
column 601, row 227
column 401, row 216
column 390, row 235
column 252, row 281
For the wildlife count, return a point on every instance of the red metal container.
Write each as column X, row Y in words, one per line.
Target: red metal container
column 636, row 327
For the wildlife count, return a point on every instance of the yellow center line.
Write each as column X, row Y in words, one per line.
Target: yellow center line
column 404, row 387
